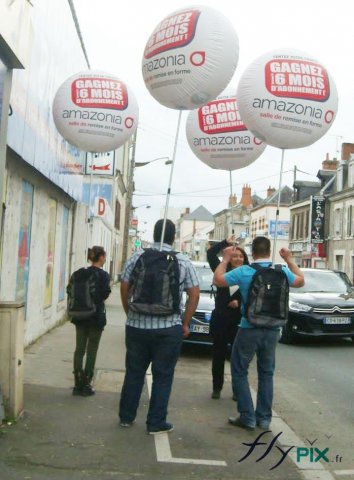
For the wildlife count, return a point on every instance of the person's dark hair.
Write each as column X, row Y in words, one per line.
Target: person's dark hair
column 94, row 253
column 245, row 259
column 170, row 232
column 245, row 256
column 261, row 247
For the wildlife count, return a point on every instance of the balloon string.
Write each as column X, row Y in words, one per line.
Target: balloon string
column 278, row 206
column 168, row 194
column 232, row 207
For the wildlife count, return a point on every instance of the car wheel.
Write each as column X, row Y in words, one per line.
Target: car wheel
column 286, row 335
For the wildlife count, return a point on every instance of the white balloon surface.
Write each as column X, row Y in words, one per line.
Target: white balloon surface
column 95, row 111
column 218, row 136
column 287, row 98
column 190, row 57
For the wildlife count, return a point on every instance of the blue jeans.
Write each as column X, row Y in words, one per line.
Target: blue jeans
column 161, row 348
column 248, row 342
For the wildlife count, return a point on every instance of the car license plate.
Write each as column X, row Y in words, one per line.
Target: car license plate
column 199, row 328
column 337, row 320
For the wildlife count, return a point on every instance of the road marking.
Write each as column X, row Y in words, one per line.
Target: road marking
column 310, row 471
column 163, row 448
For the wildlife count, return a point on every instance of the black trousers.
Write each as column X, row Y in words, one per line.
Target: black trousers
column 87, row 342
column 221, row 339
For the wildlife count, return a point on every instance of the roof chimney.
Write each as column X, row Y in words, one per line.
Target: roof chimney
column 232, row 200
column 347, row 149
column 329, row 164
column 270, row 191
column 246, row 199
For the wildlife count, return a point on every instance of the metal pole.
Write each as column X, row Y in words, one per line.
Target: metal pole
column 232, row 206
column 89, row 207
column 170, row 181
column 278, row 206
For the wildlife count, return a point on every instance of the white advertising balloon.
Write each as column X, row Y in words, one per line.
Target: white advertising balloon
column 95, row 111
column 190, row 57
column 218, row 136
column 287, row 98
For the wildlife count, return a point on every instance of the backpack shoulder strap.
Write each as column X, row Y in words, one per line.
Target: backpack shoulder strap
column 256, row 266
column 278, row 267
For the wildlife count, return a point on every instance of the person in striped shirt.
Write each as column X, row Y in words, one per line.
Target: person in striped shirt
column 155, row 339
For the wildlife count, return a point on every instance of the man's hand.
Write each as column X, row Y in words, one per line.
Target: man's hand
column 299, row 276
column 228, row 253
column 231, row 240
column 285, row 254
column 233, row 304
column 185, row 331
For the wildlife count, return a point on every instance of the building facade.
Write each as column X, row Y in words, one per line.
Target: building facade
column 192, row 233
column 341, row 211
column 308, row 248
column 263, row 220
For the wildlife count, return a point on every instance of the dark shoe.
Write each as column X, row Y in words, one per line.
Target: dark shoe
column 236, row 422
column 126, row 424
column 77, row 391
column 263, row 425
column 78, row 376
column 216, row 394
column 87, row 389
column 167, row 427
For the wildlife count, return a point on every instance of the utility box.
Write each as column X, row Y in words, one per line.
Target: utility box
column 11, row 357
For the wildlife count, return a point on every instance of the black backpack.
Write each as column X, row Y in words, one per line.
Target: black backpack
column 81, row 293
column 268, row 297
column 154, row 284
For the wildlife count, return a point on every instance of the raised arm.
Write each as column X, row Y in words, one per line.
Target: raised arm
column 299, row 276
column 212, row 252
column 219, row 274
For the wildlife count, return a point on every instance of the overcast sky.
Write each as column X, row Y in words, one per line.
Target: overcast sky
column 115, row 33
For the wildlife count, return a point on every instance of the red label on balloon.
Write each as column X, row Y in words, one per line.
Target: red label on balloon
column 297, row 79
column 89, row 92
column 173, row 32
column 220, row 116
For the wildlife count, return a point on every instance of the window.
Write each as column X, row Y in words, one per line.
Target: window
column 350, row 221
column 24, row 241
column 351, row 171
column 63, row 253
column 117, row 216
column 52, row 218
column 300, row 226
column 306, row 233
column 340, row 178
column 339, row 262
column 295, row 236
column 337, row 222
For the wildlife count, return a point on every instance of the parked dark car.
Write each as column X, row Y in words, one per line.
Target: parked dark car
column 324, row 306
column 200, row 324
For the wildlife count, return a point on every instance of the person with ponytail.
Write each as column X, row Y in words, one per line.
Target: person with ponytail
column 89, row 326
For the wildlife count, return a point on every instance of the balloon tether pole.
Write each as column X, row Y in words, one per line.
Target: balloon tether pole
column 170, row 181
column 232, row 207
column 89, row 217
column 278, row 205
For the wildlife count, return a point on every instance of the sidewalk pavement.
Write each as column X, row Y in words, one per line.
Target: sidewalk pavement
column 65, row 437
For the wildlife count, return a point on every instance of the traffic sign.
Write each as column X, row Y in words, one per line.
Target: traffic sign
column 134, row 222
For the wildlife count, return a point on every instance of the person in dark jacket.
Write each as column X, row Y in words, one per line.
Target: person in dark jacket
column 227, row 314
column 89, row 330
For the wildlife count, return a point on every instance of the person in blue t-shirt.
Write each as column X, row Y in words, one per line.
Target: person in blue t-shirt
column 251, row 340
